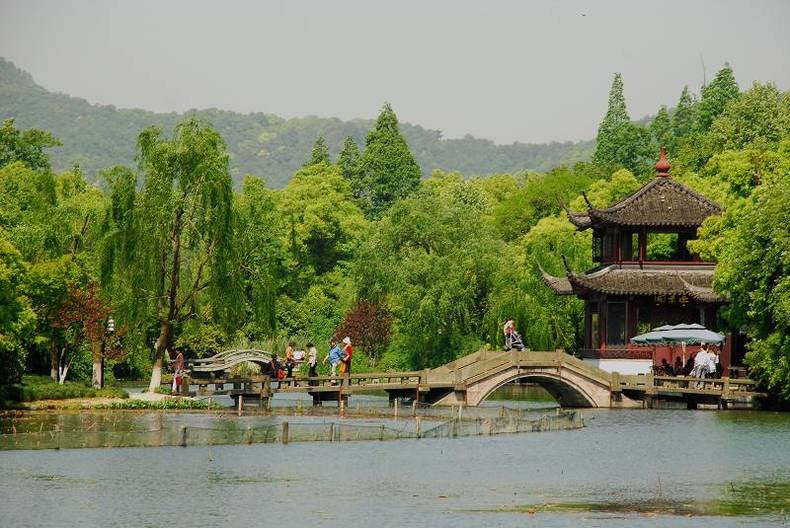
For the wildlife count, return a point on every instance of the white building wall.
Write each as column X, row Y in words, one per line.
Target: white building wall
column 623, row 366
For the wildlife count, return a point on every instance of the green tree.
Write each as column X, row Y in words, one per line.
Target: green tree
column 53, row 222
column 715, row 96
column 544, row 320
column 620, row 143
column 16, row 315
column 320, row 153
column 47, row 287
column 349, row 163
column 685, row 115
column 754, row 269
column 259, row 234
column 604, row 193
column 432, row 262
column 661, row 130
column 27, row 147
column 389, row 171
column 179, row 248
column 759, row 118
column 321, row 224
column 541, row 196
column 616, row 117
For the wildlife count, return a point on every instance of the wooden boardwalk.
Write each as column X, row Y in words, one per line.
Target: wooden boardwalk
column 471, row 379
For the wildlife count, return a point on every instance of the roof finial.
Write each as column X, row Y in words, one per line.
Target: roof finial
column 663, row 165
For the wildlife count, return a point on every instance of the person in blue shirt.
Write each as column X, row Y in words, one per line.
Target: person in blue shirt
column 333, row 357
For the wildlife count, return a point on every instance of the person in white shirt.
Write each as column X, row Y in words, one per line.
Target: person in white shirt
column 312, row 362
column 701, row 361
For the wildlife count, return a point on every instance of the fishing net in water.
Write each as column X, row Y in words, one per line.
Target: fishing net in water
column 228, row 432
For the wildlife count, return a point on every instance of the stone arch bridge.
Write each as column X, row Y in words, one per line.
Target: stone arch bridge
column 471, row 379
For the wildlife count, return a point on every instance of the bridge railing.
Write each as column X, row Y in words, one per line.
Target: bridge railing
column 649, row 382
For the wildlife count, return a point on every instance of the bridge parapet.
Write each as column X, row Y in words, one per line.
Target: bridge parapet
column 230, row 358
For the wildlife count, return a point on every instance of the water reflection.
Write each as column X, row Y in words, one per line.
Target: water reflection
column 631, row 464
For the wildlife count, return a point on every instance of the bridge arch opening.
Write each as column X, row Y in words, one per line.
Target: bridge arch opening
column 564, row 392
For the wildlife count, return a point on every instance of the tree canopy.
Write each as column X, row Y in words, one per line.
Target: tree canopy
column 389, row 171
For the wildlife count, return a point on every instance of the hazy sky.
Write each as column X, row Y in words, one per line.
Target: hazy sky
column 504, row 70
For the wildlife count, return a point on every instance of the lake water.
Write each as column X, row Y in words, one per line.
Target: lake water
column 626, row 468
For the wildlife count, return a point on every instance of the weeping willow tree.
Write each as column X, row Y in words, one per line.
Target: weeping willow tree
column 169, row 247
column 544, row 320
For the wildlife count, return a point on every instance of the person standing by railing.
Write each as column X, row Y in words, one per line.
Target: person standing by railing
column 701, row 361
column 333, row 357
column 312, row 362
column 678, row 368
column 348, row 354
column 289, row 359
column 713, row 362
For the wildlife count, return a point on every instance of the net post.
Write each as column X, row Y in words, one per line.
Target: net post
column 284, row 434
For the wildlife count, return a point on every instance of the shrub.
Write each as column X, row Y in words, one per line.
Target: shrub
column 174, row 404
column 35, row 388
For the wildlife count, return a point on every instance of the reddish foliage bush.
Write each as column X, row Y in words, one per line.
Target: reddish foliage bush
column 369, row 326
column 85, row 315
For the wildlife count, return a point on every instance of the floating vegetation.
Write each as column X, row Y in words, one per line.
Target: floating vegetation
column 169, row 404
column 746, row 498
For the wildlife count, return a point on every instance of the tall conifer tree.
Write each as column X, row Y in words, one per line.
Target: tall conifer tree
column 389, row 171
column 609, row 131
column 320, row 153
column 349, row 163
column 619, row 142
column 684, row 118
column 661, row 129
column 715, row 97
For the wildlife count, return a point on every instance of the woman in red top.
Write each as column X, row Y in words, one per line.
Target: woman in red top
column 348, row 353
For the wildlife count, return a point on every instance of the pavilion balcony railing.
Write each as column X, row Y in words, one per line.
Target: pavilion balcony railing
column 618, row 353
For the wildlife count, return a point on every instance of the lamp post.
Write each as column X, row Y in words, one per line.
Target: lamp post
column 110, row 330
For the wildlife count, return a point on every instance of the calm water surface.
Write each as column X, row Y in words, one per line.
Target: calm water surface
column 623, row 456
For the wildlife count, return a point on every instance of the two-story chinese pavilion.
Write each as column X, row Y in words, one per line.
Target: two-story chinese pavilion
column 628, row 292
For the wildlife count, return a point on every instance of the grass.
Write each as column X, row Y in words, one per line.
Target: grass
column 35, row 388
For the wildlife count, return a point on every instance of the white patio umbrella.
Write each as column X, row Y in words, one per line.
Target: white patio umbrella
column 691, row 334
column 685, row 334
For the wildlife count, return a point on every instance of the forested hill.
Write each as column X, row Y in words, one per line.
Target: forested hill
column 98, row 137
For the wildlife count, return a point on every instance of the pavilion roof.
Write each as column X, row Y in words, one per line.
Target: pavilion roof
column 614, row 279
column 662, row 202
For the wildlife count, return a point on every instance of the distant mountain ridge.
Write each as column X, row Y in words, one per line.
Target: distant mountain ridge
column 100, row 136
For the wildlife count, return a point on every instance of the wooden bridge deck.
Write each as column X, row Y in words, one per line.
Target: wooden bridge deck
column 477, row 375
